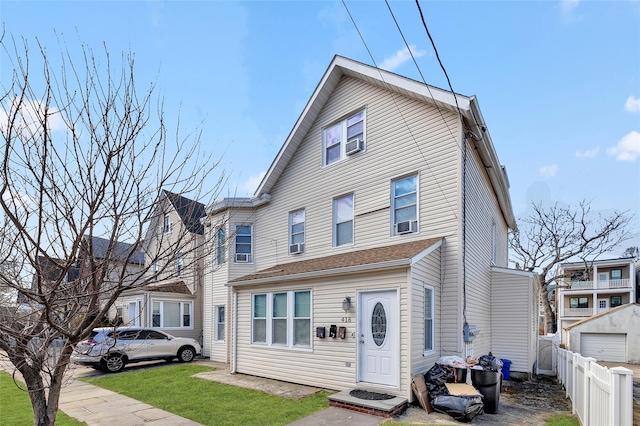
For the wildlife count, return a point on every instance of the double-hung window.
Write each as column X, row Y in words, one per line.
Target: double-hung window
column 220, row 320
column 171, row 314
column 282, row 319
column 343, row 220
column 336, row 138
column 179, row 264
column 244, row 243
column 219, row 249
column 154, row 269
column 404, row 200
column 296, row 232
column 428, row 319
column 167, row 226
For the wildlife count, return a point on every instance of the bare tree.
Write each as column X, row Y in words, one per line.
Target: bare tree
column 550, row 236
column 633, row 251
column 83, row 154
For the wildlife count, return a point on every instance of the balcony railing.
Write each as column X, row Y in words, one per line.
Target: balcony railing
column 578, row 312
column 603, row 284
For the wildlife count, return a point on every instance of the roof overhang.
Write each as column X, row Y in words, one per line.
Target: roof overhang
column 467, row 106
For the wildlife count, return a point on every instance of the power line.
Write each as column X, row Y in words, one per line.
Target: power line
column 435, row 178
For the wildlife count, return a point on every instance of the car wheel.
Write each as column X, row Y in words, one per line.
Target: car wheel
column 186, row 354
column 113, row 363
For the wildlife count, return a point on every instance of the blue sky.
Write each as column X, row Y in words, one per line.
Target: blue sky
column 558, row 81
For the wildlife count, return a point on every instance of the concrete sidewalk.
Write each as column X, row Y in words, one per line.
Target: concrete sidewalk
column 96, row 406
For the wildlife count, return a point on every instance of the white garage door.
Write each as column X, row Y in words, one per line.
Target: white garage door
column 604, row 347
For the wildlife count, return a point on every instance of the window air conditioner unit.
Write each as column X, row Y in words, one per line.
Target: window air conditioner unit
column 296, row 248
column 242, row 257
column 353, row 146
column 405, row 227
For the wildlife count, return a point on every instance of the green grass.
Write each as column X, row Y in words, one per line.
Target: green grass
column 173, row 389
column 15, row 406
column 562, row 420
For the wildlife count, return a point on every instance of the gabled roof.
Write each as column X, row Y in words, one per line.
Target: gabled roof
column 468, row 108
column 122, row 251
column 190, row 211
column 395, row 255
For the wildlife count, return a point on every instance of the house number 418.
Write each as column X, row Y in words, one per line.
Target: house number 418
column 346, row 319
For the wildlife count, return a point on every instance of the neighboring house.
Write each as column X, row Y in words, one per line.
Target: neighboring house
column 123, row 265
column 593, row 287
column 612, row 335
column 378, row 235
column 172, row 300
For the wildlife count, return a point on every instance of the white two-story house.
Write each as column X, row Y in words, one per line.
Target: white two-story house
column 171, row 299
column 376, row 243
column 594, row 309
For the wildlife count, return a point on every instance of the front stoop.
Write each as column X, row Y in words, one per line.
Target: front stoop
column 385, row 408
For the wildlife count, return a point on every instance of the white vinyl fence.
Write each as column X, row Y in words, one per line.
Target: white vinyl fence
column 599, row 395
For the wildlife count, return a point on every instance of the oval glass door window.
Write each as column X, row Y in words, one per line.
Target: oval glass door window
column 378, row 324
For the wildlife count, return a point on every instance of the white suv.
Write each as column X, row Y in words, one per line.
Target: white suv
column 110, row 349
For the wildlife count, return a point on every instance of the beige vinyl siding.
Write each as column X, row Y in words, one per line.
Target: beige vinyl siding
column 325, row 364
column 424, row 272
column 216, row 292
column 513, row 318
column 413, row 141
column 481, row 212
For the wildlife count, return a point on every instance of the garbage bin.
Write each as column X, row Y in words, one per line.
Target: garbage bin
column 488, row 384
column 506, row 368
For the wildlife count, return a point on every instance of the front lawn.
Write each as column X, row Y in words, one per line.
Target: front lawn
column 172, row 389
column 15, row 406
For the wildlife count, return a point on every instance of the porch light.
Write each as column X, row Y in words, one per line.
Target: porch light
column 346, row 303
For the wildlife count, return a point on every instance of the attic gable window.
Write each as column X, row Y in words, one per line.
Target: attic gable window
column 343, row 138
column 167, row 226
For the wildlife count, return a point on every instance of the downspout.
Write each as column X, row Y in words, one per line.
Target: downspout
column 234, row 328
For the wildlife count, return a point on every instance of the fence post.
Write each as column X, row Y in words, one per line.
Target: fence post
column 587, row 389
column 621, row 396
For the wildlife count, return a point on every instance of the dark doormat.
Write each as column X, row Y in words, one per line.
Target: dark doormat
column 368, row 395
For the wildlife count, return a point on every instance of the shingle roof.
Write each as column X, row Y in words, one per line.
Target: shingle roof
column 404, row 251
column 121, row 252
column 190, row 211
column 166, row 287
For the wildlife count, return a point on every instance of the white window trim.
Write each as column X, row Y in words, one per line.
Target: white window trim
column 235, row 241
column 343, row 136
column 334, row 220
column 393, row 203
column 304, row 230
column 182, row 303
column 290, row 321
column 216, row 337
column 219, row 250
column 433, row 321
column 167, row 225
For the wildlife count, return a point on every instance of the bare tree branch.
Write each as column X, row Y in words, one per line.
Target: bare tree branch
column 84, row 154
column 550, row 236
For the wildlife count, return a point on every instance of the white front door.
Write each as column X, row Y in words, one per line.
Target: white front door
column 378, row 337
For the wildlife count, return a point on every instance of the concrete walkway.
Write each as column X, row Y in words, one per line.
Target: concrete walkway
column 96, row 406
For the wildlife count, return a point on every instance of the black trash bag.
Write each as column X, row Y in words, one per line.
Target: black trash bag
column 489, row 362
column 436, row 379
column 462, row 409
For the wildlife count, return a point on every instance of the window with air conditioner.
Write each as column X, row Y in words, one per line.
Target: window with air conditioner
column 244, row 243
column 404, row 205
column 296, row 231
column 344, row 138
